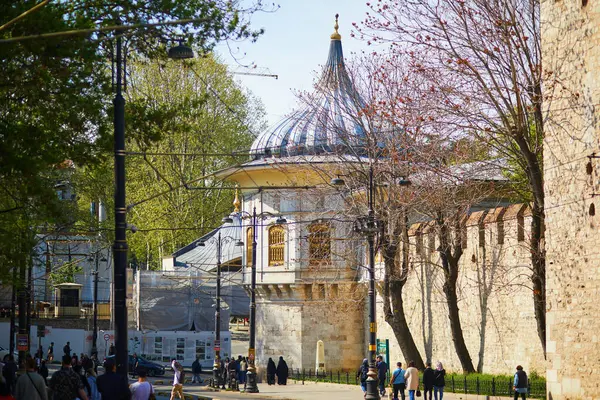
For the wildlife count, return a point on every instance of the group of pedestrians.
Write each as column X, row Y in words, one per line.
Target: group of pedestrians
column 281, row 371
column 234, row 370
column 433, row 380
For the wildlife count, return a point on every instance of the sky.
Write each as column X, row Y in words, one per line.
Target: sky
column 294, row 46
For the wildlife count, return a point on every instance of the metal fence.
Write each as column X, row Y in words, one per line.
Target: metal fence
column 494, row 386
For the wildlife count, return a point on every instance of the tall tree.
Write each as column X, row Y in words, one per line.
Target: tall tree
column 483, row 60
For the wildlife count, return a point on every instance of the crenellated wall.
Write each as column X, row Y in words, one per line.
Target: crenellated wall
column 494, row 275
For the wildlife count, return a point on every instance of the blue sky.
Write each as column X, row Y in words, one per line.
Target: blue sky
column 295, row 46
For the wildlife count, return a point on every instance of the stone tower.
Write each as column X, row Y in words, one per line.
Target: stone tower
column 307, row 274
column 570, row 38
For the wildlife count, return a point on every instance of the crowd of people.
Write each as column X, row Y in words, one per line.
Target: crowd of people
column 432, row 382
column 76, row 379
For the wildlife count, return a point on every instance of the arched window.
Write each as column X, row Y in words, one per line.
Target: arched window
column 276, row 245
column 319, row 244
column 249, row 240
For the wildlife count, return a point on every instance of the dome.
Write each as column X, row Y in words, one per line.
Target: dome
column 328, row 121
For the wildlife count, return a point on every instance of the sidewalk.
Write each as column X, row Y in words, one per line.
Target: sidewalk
column 297, row 391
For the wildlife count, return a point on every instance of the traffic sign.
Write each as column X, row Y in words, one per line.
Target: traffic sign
column 106, row 337
column 22, row 342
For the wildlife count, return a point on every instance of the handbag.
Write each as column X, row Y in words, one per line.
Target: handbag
column 418, row 393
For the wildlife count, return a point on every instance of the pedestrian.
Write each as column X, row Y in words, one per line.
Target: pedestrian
column 111, row 350
column 44, row 371
column 177, row 380
column 135, row 364
column 9, row 372
column 40, row 352
column 79, row 371
column 439, row 381
column 142, row 389
column 282, row 371
column 74, row 360
column 520, row 383
column 271, row 371
column 30, row 386
column 196, row 371
column 397, row 382
column 243, row 370
column 111, row 385
column 428, row 379
column 92, row 380
column 382, row 369
column 67, row 349
column 50, row 357
column 362, row 374
column 412, row 380
column 65, row 383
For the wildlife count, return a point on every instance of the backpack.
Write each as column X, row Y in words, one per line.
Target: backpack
column 363, row 373
column 182, row 375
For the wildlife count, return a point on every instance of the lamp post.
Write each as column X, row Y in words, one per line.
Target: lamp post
column 95, row 304
column 120, row 243
column 219, row 241
column 251, row 384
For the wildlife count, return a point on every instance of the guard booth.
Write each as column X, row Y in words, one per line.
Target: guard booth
column 67, row 302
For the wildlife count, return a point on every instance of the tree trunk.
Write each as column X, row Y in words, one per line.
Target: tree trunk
column 397, row 321
column 393, row 304
column 455, row 326
column 538, row 276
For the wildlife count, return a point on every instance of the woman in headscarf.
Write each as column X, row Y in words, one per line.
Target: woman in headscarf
column 361, row 374
column 438, row 381
column 271, row 370
column 282, row 372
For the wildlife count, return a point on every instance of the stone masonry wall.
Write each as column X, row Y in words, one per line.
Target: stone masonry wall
column 290, row 322
column 570, row 40
column 497, row 258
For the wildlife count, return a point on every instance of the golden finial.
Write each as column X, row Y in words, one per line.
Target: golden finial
column 335, row 35
column 236, row 201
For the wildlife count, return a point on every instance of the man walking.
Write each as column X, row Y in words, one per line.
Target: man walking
column 111, row 385
column 382, row 369
column 520, row 383
column 196, row 370
column 67, row 349
column 65, row 383
column 142, row 389
column 428, row 380
column 30, row 386
column 50, row 357
column 9, row 371
column 177, row 380
column 397, row 381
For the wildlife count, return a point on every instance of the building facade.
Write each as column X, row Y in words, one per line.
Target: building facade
column 570, row 38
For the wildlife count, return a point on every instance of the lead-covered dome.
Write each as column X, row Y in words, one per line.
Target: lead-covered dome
column 329, row 120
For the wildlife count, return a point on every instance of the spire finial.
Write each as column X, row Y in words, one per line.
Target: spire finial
column 335, row 35
column 236, row 201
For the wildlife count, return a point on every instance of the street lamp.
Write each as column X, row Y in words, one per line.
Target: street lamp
column 370, row 227
column 251, row 384
column 219, row 241
column 95, row 304
column 120, row 244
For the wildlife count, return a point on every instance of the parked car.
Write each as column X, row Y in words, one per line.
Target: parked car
column 152, row 368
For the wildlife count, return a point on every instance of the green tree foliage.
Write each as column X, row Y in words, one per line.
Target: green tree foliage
column 56, row 93
column 179, row 118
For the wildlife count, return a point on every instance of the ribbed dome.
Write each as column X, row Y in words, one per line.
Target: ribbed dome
column 328, row 122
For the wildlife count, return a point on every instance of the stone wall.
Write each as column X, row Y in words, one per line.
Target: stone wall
column 496, row 258
column 291, row 320
column 570, row 39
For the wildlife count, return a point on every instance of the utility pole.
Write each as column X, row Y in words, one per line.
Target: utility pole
column 120, row 243
column 22, row 300
column 251, row 386
column 95, row 310
column 217, row 364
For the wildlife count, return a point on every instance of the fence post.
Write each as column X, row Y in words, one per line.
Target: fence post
column 338, row 376
column 477, row 386
column 303, row 375
column 465, row 384
column 509, row 387
column 493, row 386
column 347, row 381
column 453, row 385
column 331, row 376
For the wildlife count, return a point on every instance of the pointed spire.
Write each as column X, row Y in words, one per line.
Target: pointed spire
column 335, row 35
column 236, row 201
